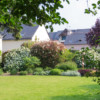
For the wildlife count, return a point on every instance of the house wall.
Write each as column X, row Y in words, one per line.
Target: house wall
column 12, row 44
column 76, row 47
column 0, row 44
column 41, row 34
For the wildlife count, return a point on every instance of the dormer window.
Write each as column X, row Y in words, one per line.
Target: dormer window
column 80, row 40
column 63, row 37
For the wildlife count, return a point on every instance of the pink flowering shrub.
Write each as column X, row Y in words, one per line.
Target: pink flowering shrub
column 48, row 52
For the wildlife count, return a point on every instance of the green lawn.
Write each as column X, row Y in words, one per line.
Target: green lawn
column 48, row 88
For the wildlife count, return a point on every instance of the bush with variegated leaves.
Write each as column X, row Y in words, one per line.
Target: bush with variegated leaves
column 14, row 58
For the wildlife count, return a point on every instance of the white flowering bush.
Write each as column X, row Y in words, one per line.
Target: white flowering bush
column 14, row 58
column 91, row 57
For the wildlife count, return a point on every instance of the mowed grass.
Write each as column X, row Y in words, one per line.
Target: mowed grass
column 48, row 88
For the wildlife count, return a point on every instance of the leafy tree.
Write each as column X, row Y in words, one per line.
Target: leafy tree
column 13, row 13
column 93, row 37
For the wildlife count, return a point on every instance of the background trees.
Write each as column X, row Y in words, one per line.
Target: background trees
column 93, row 37
column 13, row 13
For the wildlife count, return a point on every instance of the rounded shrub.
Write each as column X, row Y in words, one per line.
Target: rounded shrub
column 14, row 58
column 55, row 72
column 1, row 71
column 48, row 52
column 30, row 63
column 13, row 71
column 70, row 73
column 39, row 71
column 29, row 71
column 70, row 65
column 23, row 73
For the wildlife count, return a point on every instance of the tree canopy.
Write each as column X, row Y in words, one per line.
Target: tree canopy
column 93, row 37
column 14, row 13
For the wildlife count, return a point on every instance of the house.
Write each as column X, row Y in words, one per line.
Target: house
column 72, row 39
column 29, row 33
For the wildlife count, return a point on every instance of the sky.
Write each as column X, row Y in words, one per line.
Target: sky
column 75, row 15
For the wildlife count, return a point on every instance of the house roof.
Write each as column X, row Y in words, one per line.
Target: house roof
column 75, row 37
column 64, row 33
column 55, row 35
column 27, row 33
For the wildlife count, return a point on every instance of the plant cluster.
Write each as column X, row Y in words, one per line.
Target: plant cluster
column 48, row 52
column 14, row 58
column 69, row 65
column 70, row 73
column 90, row 56
column 28, row 44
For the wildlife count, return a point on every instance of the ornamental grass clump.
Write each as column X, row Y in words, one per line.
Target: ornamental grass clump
column 48, row 52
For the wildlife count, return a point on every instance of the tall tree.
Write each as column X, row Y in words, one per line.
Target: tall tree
column 93, row 37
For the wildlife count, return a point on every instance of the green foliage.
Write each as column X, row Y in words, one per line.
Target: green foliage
column 29, row 71
column 48, row 52
column 14, row 58
column 13, row 71
column 0, row 56
column 39, row 71
column 70, row 73
column 23, row 73
column 1, row 71
column 66, row 55
column 91, row 57
column 28, row 44
column 28, row 12
column 0, row 52
column 47, row 68
column 70, row 65
column 55, row 72
column 30, row 62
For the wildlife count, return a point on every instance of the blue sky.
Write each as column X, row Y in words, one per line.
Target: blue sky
column 74, row 13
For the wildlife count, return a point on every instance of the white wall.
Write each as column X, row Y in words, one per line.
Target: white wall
column 11, row 44
column 41, row 34
column 77, row 47
column 0, row 44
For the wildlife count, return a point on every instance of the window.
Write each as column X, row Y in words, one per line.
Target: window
column 63, row 37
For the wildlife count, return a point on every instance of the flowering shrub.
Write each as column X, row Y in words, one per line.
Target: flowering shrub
column 14, row 58
column 48, row 52
column 83, row 72
column 91, row 57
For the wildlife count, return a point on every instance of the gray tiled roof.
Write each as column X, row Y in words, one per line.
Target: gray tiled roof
column 55, row 35
column 27, row 33
column 76, row 37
